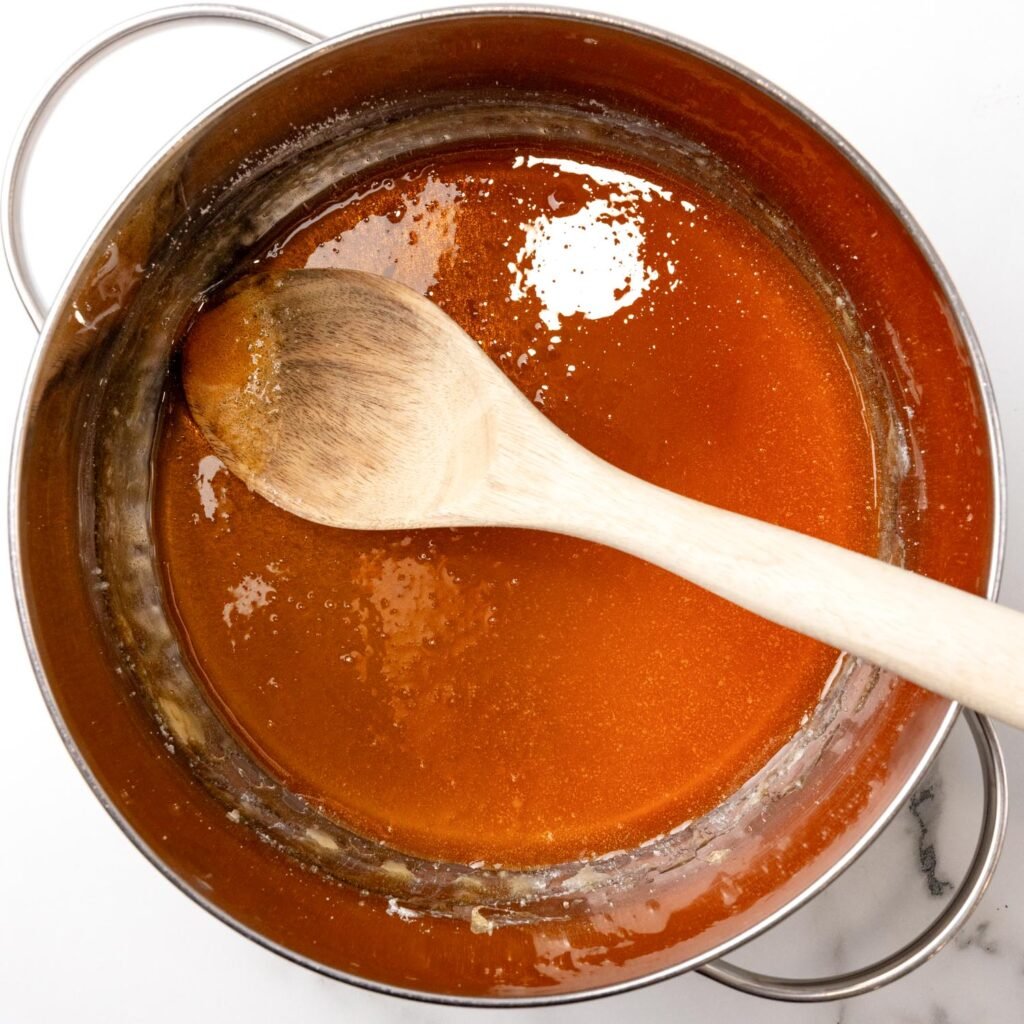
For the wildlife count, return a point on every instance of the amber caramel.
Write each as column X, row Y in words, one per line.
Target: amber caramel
column 518, row 697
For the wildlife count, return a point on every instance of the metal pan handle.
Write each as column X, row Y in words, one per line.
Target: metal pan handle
column 935, row 936
column 10, row 191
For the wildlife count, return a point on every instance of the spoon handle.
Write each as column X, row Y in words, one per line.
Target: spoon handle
column 952, row 642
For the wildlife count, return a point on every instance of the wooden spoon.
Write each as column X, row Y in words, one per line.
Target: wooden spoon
column 353, row 401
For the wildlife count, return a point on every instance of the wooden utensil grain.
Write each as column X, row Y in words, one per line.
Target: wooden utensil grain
column 354, row 401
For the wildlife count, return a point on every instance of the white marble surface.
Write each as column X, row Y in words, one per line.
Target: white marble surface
column 933, row 94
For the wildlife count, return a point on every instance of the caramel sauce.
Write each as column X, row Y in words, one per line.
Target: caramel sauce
column 517, row 697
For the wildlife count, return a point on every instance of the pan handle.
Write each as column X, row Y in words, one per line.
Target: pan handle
column 934, row 937
column 10, row 191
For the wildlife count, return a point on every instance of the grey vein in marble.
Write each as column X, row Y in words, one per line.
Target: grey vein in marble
column 924, row 807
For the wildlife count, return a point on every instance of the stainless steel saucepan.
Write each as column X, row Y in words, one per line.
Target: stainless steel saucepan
column 182, row 786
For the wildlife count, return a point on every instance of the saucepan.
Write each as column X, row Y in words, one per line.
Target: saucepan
column 186, row 790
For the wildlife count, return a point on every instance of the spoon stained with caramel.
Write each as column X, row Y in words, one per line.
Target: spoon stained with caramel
column 353, row 401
